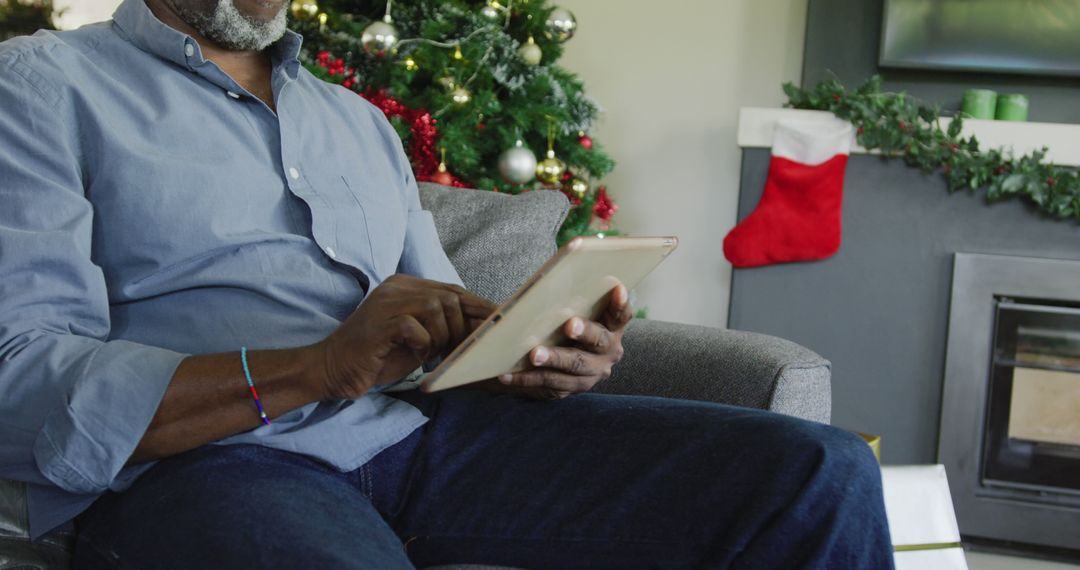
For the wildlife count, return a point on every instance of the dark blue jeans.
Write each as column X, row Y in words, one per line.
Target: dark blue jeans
column 592, row 481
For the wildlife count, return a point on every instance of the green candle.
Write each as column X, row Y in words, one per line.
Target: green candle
column 1012, row 108
column 979, row 103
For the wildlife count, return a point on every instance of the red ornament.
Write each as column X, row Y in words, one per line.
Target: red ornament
column 444, row 178
column 604, row 208
column 574, row 200
column 586, row 142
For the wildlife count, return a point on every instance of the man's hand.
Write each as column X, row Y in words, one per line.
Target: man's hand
column 402, row 323
column 562, row 371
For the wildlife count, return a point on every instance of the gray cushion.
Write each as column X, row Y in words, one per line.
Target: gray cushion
column 495, row 241
column 724, row 366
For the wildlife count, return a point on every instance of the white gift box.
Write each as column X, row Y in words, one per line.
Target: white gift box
column 921, row 518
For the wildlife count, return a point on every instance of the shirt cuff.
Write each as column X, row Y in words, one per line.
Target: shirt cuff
column 86, row 442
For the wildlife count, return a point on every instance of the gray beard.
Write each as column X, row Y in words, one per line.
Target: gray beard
column 227, row 27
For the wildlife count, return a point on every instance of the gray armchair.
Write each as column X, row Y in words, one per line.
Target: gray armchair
column 496, row 241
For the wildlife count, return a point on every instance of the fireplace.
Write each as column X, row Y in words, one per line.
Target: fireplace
column 1010, row 426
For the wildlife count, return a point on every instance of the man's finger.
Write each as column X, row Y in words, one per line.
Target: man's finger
column 472, row 305
column 572, row 361
column 430, row 312
column 552, row 379
column 619, row 313
column 414, row 336
column 455, row 320
column 589, row 334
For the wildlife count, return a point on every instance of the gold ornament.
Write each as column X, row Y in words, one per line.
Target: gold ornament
column 410, row 64
column 461, row 95
column 379, row 38
column 304, row 9
column 530, row 53
column 550, row 170
column 323, row 17
column 447, row 82
column 579, row 188
column 517, row 164
column 560, row 25
column 457, row 53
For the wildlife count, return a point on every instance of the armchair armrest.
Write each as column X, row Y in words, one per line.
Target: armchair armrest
column 717, row 365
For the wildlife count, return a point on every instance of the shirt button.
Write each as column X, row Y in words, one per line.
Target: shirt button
column 330, row 251
column 294, row 173
column 189, row 50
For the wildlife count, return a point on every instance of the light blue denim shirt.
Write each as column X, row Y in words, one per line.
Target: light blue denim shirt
column 151, row 208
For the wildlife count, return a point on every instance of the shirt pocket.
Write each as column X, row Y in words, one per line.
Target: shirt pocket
column 381, row 226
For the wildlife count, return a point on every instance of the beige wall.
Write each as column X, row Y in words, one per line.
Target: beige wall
column 78, row 12
column 671, row 77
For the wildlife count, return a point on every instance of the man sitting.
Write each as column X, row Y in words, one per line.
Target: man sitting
column 176, row 188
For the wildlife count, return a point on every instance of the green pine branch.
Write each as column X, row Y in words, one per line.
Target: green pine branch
column 900, row 126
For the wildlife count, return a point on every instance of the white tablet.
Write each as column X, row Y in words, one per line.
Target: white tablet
column 575, row 282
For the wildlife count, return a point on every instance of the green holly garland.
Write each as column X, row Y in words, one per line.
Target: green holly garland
column 904, row 127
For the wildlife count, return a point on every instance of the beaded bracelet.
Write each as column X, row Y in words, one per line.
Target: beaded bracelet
column 251, row 385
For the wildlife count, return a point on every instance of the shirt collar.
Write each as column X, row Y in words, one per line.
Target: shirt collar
column 148, row 33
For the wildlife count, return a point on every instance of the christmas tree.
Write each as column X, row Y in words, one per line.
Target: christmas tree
column 472, row 89
column 19, row 17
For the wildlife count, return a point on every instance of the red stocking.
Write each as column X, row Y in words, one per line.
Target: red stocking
column 798, row 217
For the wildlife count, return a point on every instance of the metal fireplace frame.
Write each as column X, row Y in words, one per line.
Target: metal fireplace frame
column 978, row 280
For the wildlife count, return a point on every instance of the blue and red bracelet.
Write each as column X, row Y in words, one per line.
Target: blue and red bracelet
column 251, row 385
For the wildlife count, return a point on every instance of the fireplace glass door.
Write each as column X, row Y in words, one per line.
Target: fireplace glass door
column 1031, row 448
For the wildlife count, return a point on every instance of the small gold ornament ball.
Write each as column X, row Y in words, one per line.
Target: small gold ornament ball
column 461, row 95
column 560, row 25
column 550, row 170
column 304, row 9
column 579, row 188
column 379, row 38
column 530, row 53
column 447, row 82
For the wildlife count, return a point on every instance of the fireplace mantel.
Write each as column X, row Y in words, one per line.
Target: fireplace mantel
column 756, row 127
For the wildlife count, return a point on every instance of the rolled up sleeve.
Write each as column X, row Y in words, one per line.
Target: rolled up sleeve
column 423, row 255
column 75, row 403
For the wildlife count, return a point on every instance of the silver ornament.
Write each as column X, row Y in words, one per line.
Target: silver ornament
column 491, row 12
column 517, row 164
column 379, row 38
column 560, row 25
